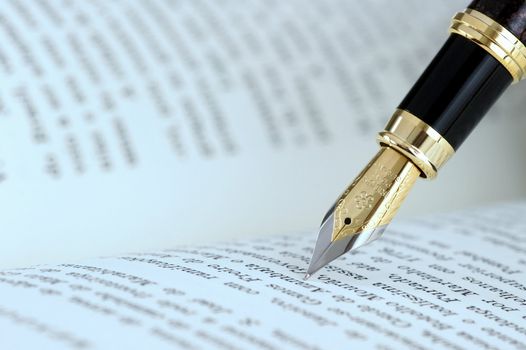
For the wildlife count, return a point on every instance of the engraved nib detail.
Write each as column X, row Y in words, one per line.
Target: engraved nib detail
column 367, row 206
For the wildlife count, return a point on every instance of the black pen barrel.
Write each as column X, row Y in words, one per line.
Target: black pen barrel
column 456, row 90
column 475, row 65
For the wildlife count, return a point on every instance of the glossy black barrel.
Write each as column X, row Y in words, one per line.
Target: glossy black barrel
column 456, row 90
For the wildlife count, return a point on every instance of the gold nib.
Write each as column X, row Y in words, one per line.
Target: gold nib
column 410, row 148
column 368, row 205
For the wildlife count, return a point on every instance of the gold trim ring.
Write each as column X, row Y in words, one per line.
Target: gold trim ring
column 494, row 38
column 416, row 140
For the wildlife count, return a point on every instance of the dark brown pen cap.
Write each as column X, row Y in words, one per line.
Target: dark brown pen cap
column 511, row 14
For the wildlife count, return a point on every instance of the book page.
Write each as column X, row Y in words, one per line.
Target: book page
column 452, row 281
column 122, row 123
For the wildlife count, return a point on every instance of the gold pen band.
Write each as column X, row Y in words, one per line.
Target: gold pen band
column 494, row 38
column 419, row 142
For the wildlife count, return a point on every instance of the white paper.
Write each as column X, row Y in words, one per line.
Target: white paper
column 452, row 281
column 139, row 125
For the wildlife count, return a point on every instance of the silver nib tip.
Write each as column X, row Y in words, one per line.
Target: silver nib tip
column 322, row 244
column 327, row 249
column 306, row 277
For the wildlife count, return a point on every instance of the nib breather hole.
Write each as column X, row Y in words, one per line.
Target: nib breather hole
column 347, row 221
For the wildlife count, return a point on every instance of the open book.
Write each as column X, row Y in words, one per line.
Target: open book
column 146, row 125
column 128, row 126
column 454, row 281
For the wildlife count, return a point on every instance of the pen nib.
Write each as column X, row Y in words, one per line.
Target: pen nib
column 327, row 250
column 365, row 209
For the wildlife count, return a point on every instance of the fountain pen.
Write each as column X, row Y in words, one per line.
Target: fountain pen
column 483, row 55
